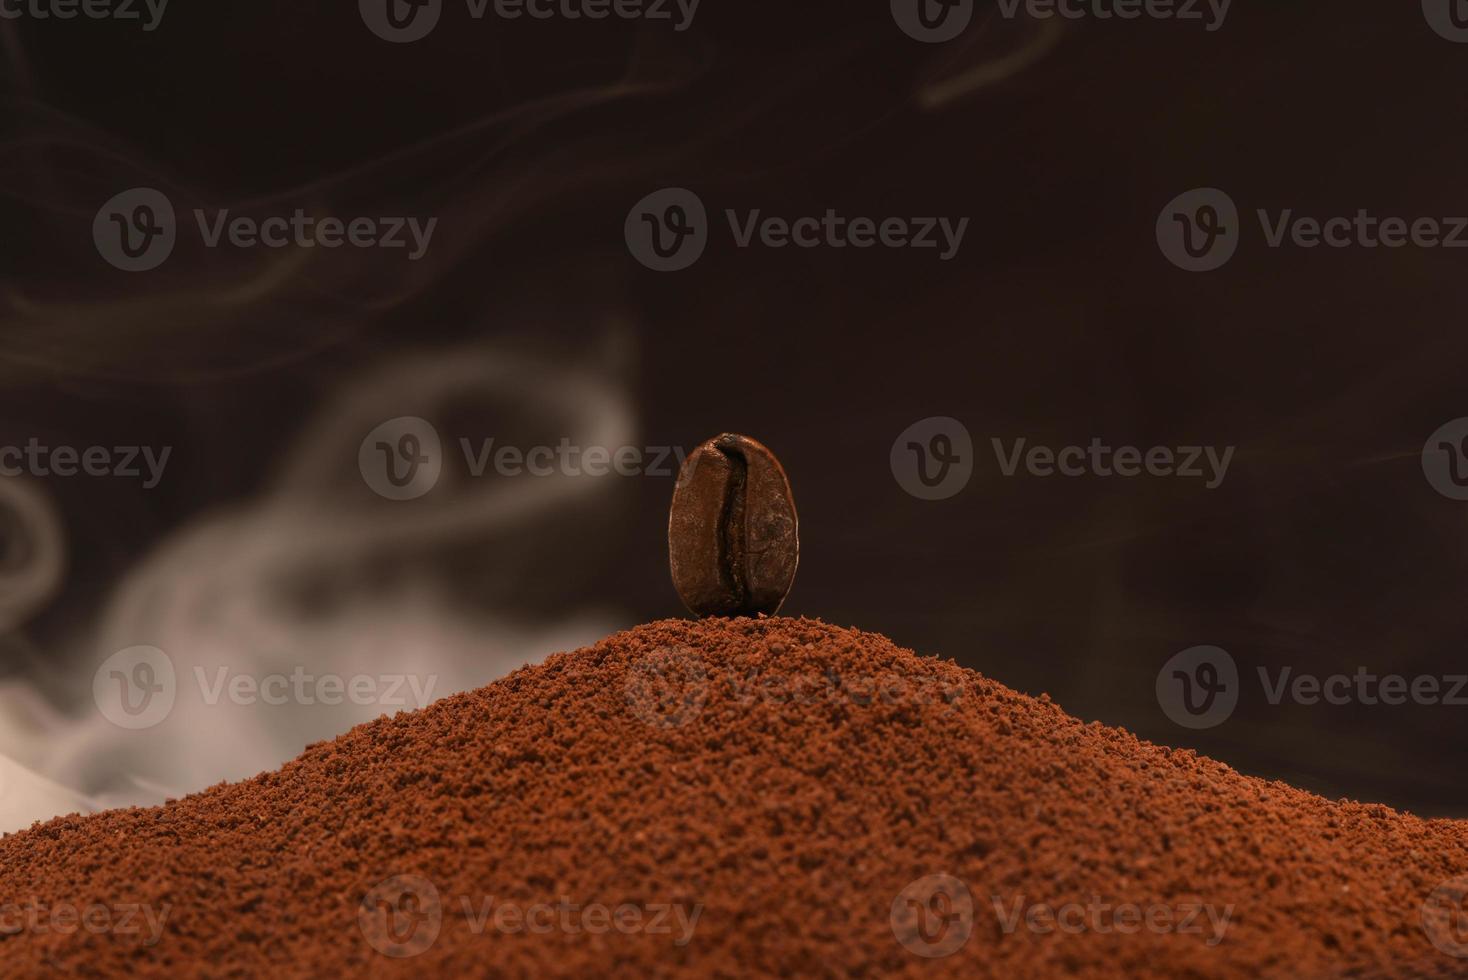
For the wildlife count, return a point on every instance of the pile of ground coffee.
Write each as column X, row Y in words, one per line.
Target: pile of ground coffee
column 736, row 798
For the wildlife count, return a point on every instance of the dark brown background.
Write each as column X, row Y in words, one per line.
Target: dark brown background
column 1058, row 321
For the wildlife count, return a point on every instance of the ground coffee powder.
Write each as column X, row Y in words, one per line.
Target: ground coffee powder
column 736, row 798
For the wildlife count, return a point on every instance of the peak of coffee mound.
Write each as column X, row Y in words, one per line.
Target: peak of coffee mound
column 737, row 798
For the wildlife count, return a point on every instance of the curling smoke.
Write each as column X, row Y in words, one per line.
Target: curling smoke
column 322, row 577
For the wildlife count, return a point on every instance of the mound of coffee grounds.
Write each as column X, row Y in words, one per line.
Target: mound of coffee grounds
column 732, row 798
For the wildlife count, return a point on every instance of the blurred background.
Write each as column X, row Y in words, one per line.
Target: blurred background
column 262, row 548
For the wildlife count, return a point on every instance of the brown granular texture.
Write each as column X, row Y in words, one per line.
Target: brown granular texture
column 788, row 779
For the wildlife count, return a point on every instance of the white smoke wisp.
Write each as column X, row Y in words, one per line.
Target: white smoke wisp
column 32, row 551
column 322, row 577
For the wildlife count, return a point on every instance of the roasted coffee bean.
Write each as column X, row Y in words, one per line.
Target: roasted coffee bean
column 733, row 538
